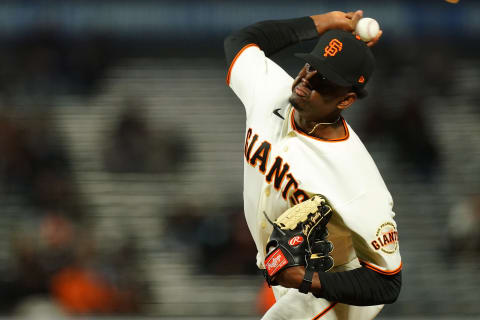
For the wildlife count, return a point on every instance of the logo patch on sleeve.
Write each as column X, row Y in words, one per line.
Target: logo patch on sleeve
column 275, row 262
column 387, row 238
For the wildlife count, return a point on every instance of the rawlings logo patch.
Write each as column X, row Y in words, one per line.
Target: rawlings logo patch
column 387, row 238
column 275, row 262
column 295, row 241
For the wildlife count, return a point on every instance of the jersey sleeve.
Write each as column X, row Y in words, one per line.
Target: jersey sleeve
column 256, row 79
column 374, row 231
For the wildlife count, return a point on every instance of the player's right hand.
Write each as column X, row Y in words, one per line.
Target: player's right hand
column 337, row 20
column 375, row 40
column 354, row 18
column 341, row 20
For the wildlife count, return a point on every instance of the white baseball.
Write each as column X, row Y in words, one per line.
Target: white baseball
column 367, row 29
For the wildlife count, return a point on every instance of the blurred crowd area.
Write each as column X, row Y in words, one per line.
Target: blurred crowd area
column 52, row 250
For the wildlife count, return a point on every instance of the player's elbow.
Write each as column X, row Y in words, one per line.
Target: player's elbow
column 392, row 297
column 234, row 43
column 230, row 45
column 394, row 289
column 227, row 42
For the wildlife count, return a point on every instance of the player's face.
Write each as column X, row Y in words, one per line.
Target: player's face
column 314, row 96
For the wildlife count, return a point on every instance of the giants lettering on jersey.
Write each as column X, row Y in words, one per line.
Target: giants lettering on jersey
column 258, row 153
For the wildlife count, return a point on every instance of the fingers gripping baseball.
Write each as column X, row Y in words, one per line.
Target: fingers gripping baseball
column 368, row 30
column 355, row 17
column 336, row 20
column 375, row 40
column 341, row 20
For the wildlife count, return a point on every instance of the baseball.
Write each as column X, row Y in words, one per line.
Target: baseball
column 367, row 29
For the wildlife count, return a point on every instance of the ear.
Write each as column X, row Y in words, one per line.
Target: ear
column 347, row 100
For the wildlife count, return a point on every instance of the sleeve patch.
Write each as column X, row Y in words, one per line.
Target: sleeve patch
column 386, row 238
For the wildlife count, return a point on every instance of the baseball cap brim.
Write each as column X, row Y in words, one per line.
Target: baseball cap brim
column 323, row 68
column 328, row 72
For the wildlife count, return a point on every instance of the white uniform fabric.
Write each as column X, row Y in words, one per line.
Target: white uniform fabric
column 283, row 166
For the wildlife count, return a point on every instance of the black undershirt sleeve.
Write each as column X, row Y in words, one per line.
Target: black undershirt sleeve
column 271, row 36
column 360, row 287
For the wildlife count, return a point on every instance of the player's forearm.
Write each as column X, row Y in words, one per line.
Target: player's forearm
column 271, row 36
column 361, row 287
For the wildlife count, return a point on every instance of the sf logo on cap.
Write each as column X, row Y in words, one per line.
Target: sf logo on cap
column 334, row 47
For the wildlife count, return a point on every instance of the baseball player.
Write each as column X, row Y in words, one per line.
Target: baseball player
column 297, row 144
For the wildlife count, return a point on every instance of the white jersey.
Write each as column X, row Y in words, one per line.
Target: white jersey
column 284, row 166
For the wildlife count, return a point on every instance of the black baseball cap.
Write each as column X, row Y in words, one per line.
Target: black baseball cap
column 343, row 59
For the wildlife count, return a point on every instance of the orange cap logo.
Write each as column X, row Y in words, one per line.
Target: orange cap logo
column 334, row 47
column 361, row 79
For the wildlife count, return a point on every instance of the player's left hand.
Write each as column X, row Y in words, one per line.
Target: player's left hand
column 298, row 239
column 291, row 277
column 319, row 261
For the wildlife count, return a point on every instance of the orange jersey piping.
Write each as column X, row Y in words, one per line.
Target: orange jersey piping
column 385, row 272
column 347, row 133
column 321, row 314
column 235, row 59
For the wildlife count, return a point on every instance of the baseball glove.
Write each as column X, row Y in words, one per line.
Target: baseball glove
column 299, row 239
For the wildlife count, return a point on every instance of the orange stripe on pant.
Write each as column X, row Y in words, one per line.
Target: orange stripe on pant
column 321, row 314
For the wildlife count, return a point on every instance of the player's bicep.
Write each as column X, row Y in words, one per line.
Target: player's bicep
column 378, row 250
column 244, row 73
column 253, row 76
column 375, row 234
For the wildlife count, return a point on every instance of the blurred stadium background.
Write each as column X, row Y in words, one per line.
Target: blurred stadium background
column 121, row 156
